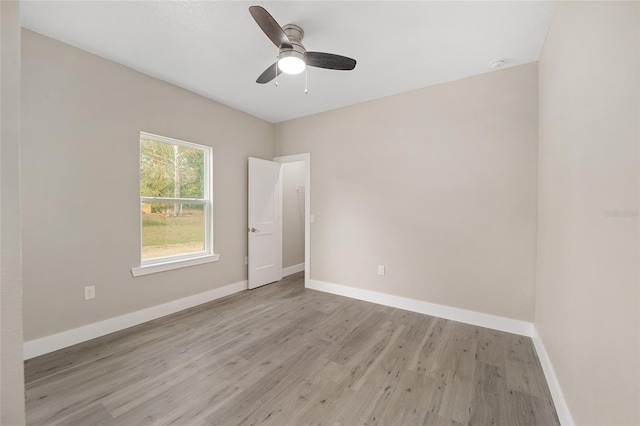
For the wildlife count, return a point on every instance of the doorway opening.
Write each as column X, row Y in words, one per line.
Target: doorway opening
column 292, row 184
column 295, row 196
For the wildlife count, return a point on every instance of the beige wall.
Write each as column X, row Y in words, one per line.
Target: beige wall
column 293, row 176
column 587, row 293
column 81, row 120
column 438, row 184
column 11, row 367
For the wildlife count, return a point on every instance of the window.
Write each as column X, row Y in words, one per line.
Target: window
column 175, row 204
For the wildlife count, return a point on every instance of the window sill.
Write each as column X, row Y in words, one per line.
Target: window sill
column 176, row 264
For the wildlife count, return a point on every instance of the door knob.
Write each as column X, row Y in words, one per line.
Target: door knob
column 254, row 230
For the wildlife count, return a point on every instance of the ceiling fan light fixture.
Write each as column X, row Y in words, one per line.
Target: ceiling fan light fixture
column 291, row 62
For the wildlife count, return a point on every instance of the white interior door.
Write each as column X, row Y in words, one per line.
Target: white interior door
column 265, row 248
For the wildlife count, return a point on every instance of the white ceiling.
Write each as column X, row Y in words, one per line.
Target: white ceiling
column 215, row 48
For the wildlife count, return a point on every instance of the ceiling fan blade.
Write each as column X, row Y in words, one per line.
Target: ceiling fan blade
column 330, row 61
column 269, row 74
column 270, row 27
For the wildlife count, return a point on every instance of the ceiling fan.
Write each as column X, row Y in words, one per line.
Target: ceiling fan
column 293, row 58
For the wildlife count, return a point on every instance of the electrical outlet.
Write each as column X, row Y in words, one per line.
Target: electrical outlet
column 90, row 292
column 246, row 260
column 381, row 270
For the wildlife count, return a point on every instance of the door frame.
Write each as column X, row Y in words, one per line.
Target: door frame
column 306, row 157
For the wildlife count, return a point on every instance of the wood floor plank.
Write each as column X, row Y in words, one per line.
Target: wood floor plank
column 490, row 392
column 491, row 347
column 431, row 344
column 405, row 404
column 285, row 355
column 363, row 364
column 415, row 326
column 92, row 414
column 207, row 398
column 294, row 399
column 338, row 327
column 285, row 333
column 268, row 387
column 57, row 400
column 528, row 410
column 457, row 368
column 521, row 365
column 319, row 400
column 432, row 419
column 356, row 407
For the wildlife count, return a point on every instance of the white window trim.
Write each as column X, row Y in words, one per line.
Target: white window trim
column 174, row 264
column 152, row 266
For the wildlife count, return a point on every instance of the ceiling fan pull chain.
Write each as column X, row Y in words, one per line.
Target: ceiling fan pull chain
column 306, row 72
column 277, row 57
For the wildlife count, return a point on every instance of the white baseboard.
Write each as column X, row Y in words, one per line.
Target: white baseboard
column 67, row 338
column 564, row 415
column 447, row 312
column 290, row 270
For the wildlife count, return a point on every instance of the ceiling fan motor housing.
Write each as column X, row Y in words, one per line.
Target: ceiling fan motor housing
column 295, row 34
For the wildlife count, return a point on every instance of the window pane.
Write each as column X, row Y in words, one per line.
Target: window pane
column 170, row 171
column 170, row 229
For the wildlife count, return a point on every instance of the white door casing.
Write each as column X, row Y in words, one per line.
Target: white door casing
column 265, row 245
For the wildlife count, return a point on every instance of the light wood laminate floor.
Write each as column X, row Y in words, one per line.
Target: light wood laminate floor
column 285, row 355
